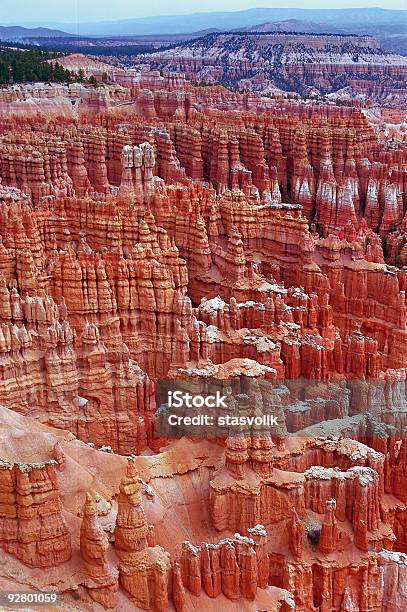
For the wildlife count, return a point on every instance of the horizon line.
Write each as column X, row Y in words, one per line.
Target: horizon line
column 182, row 14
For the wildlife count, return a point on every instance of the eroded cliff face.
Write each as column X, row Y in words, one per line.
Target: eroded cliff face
column 172, row 529
column 271, row 63
column 194, row 234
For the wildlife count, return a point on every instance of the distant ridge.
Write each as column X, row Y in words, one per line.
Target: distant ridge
column 348, row 19
column 14, row 33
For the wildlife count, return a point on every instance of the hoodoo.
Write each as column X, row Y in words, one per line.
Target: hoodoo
column 226, row 218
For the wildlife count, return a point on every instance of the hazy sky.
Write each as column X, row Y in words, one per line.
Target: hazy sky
column 14, row 11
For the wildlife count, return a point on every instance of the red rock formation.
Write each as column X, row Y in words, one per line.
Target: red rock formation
column 328, row 538
column 202, row 235
column 394, row 569
column 178, row 591
column 235, row 567
column 32, row 523
column 102, row 581
column 144, row 571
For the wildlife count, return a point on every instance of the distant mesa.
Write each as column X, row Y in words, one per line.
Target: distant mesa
column 293, row 25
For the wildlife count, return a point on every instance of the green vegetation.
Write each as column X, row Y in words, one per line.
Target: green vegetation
column 26, row 65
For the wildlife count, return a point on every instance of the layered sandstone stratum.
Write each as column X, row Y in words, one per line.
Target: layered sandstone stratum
column 156, row 230
column 347, row 67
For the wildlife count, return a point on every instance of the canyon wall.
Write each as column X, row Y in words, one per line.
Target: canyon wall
column 196, row 234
